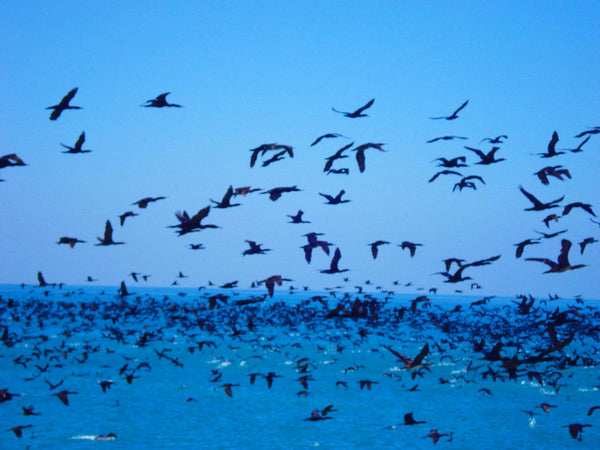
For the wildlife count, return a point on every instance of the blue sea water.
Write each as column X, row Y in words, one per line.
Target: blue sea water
column 176, row 399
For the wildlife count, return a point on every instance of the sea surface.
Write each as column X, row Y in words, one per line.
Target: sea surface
column 487, row 365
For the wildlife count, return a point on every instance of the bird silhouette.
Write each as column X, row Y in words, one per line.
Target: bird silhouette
column 326, row 136
column 77, row 147
column 143, row 203
column 333, row 267
column 275, row 193
column 538, row 205
column 375, row 247
column 551, row 147
column 486, row 158
column 63, row 396
column 454, row 115
column 337, row 155
column 331, row 200
column 562, row 264
column 226, row 201
column 159, row 102
column 411, row 246
column 63, row 105
column 360, row 153
column 108, row 239
column 11, row 160
column 585, row 206
column 358, row 112
column 125, row 215
column 255, row 249
column 297, row 218
column 69, row 240
column 445, row 138
column 521, row 246
column 188, row 225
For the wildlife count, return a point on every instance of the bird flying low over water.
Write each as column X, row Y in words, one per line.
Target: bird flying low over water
column 144, row 201
column 272, row 281
column 375, row 247
column 77, row 147
column 358, row 112
column 454, row 115
column 160, row 102
column 108, row 239
column 538, row 205
column 457, row 276
column 408, row 362
column 562, row 264
column 333, row 267
column 64, row 104
column 187, row 224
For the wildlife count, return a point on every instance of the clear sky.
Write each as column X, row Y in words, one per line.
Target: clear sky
column 251, row 73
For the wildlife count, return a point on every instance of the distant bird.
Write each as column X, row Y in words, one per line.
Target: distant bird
column 538, row 205
column 77, row 147
column 333, row 268
column 590, row 131
column 486, row 158
column 579, row 148
column 550, row 235
column 11, row 160
column 105, row 384
column 108, row 239
column 548, row 218
column 496, row 140
column 159, row 102
column 408, row 362
column 272, row 281
column 555, row 171
column 69, row 240
column 275, row 193
column 63, row 105
column 63, row 396
column 435, row 436
column 562, row 264
column 18, row 430
column 29, row 411
column 244, row 190
column 337, row 155
column 411, row 246
column 375, row 246
column 454, row 115
column 551, row 147
column 521, row 245
column 445, row 172
column 196, row 246
column 575, row 430
column 360, row 153
column 326, row 136
column 227, row 387
column 587, row 241
column 187, row 224
column 122, row 291
column 358, row 112
column 459, row 161
column 331, row 200
column 143, row 203
column 466, row 183
column 410, row 420
column 445, row 138
column 125, row 215
column 585, row 206
column 255, row 249
column 226, row 201
column 297, row 218
column 41, row 280
column 314, row 242
column 264, row 148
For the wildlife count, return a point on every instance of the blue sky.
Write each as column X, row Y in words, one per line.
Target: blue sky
column 249, row 73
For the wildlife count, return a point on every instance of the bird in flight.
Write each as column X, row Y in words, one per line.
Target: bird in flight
column 226, row 201
column 551, row 147
column 585, row 206
column 297, row 218
column 64, row 104
column 69, row 240
column 358, row 112
column 360, row 153
column 486, row 158
column 333, row 267
column 108, row 239
column 77, row 147
column 159, row 102
column 538, row 205
column 411, row 246
column 275, row 193
column 375, row 247
column 255, row 249
column 454, row 115
column 555, row 171
column 331, row 200
column 144, row 201
column 459, row 161
column 326, row 136
column 187, row 224
column 562, row 264
column 11, row 160
column 445, row 138
column 125, row 215
column 337, row 155
column 496, row 140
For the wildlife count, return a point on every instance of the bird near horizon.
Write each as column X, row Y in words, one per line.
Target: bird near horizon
column 562, row 264
column 108, row 239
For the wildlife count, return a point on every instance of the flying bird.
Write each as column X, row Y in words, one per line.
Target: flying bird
column 143, row 203
column 375, row 247
column 454, row 115
column 551, row 147
column 411, row 246
column 69, row 240
column 585, row 206
column 445, row 138
column 562, row 264
column 275, row 193
column 188, row 225
column 159, row 102
column 63, row 105
column 486, row 158
column 226, row 201
column 77, row 147
column 108, row 239
column 331, row 200
column 360, row 153
column 326, row 136
column 333, row 267
column 337, row 155
column 538, row 205
column 358, row 112
column 297, row 218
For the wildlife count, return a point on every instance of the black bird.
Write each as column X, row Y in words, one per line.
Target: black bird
column 125, row 215
column 11, row 160
column 375, row 247
column 454, row 115
column 275, row 193
column 63, row 396
column 411, row 246
column 108, row 239
column 445, row 172
column 445, row 138
column 41, row 281
column 579, row 148
column 562, row 264
column 459, row 161
column 326, row 136
column 143, row 203
column 408, row 362
column 521, row 245
column 187, row 224
column 496, row 140
column 555, row 171
column 64, row 104
column 160, row 102
column 409, row 420
column 18, row 430
column 335, row 200
column 592, row 130
column 586, row 242
column 465, row 183
column 538, row 205
column 333, row 268
column 77, row 147
column 486, row 158
column 264, row 148
column 585, row 206
column 575, row 430
column 297, row 218
column 69, row 240
column 358, row 112
column 226, row 201
column 551, row 147
column 360, row 153
column 335, row 156
column 255, row 249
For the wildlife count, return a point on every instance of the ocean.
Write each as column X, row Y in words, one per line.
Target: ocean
column 475, row 369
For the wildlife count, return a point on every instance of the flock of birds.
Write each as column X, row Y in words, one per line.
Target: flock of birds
column 527, row 340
